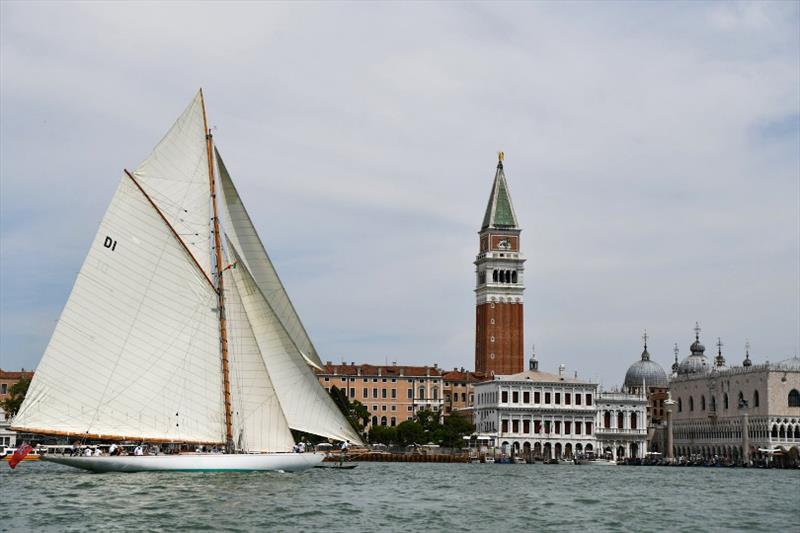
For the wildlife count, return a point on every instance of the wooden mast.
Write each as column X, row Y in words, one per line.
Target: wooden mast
column 223, row 330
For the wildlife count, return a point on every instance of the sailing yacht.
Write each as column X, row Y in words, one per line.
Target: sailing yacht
column 179, row 330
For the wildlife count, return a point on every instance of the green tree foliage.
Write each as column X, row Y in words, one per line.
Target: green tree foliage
column 383, row 435
column 453, row 431
column 16, row 393
column 410, row 432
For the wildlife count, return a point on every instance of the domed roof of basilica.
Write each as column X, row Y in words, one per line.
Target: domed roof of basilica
column 696, row 362
column 792, row 363
column 646, row 371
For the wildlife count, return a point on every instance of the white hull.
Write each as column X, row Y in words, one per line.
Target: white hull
column 283, row 462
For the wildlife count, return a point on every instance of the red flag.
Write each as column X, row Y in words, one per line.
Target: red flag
column 19, row 454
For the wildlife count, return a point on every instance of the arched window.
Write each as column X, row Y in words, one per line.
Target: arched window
column 422, row 393
column 794, row 398
column 607, row 420
column 383, row 420
column 620, row 420
column 374, row 420
column 755, row 398
column 713, row 403
column 740, row 401
column 508, row 276
column 680, row 405
column 394, row 421
column 725, row 401
column 782, row 433
column 494, row 276
column 514, row 277
column 633, row 420
column 774, row 432
column 691, row 403
column 435, row 393
column 702, row 402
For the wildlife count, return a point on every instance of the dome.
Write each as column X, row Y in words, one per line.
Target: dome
column 648, row 371
column 694, row 364
column 697, row 347
column 793, row 363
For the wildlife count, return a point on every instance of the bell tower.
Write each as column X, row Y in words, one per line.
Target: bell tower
column 499, row 286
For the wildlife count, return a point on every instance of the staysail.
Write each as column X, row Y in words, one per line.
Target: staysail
column 241, row 232
column 259, row 424
column 136, row 351
column 305, row 403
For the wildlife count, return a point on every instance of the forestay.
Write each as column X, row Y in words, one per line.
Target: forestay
column 136, row 351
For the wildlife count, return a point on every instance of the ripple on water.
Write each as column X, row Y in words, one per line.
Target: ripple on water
column 403, row 497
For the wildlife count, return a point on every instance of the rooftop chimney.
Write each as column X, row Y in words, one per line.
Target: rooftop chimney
column 561, row 369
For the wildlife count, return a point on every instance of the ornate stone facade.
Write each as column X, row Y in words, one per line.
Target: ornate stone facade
column 738, row 413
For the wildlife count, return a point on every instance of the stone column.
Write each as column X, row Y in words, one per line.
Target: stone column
column 669, row 402
column 745, row 439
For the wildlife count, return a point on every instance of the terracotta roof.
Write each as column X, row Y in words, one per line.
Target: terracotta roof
column 541, row 377
column 368, row 370
column 461, row 375
column 4, row 374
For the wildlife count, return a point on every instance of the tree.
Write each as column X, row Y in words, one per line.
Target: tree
column 410, row 432
column 383, row 435
column 16, row 394
column 453, row 431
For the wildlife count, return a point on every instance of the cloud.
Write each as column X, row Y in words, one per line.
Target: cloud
column 651, row 153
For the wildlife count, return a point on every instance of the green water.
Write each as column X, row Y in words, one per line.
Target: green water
column 404, row 497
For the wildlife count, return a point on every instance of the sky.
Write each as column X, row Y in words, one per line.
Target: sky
column 652, row 151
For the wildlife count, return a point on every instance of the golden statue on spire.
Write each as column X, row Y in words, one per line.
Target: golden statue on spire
column 501, row 156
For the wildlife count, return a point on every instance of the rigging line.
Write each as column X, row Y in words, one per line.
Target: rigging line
column 174, row 233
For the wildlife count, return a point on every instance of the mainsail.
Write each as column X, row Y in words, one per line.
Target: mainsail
column 135, row 352
column 139, row 352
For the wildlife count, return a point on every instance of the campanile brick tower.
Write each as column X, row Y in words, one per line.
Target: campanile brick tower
column 499, row 288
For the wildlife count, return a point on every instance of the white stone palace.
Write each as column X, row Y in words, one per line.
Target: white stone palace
column 541, row 415
column 735, row 412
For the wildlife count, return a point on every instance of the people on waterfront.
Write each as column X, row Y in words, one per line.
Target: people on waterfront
column 112, row 450
column 98, row 452
column 138, row 450
column 87, row 452
column 301, row 447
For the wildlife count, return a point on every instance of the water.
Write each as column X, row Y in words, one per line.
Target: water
column 404, row 497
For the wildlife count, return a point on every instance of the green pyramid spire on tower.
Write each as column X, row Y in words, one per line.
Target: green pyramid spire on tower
column 499, row 211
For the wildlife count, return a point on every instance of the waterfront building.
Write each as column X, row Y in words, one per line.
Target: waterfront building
column 735, row 411
column 391, row 393
column 499, row 270
column 621, row 423
column 8, row 380
column 537, row 414
column 459, row 390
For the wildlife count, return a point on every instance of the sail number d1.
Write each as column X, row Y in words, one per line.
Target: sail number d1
column 110, row 243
